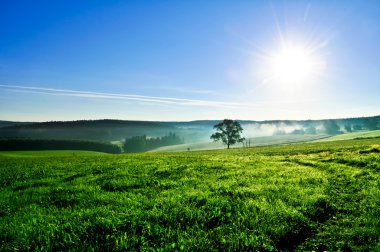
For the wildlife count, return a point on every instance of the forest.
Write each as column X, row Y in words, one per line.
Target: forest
column 143, row 143
column 32, row 144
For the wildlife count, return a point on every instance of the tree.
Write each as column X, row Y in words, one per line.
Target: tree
column 370, row 123
column 311, row 130
column 228, row 132
column 331, row 127
column 348, row 127
column 144, row 143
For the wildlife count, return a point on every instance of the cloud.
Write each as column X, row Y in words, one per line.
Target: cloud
column 130, row 97
column 186, row 90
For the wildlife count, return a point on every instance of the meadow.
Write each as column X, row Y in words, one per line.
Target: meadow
column 353, row 135
column 309, row 196
column 253, row 141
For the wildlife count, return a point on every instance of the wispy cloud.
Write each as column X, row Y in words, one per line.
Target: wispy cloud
column 130, row 97
column 187, row 90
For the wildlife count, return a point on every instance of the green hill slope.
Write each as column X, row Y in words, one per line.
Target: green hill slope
column 354, row 135
column 256, row 141
column 306, row 197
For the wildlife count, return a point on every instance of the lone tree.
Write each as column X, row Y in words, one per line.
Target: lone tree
column 229, row 132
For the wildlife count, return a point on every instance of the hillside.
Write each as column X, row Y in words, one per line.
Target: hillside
column 10, row 123
column 255, row 141
column 354, row 135
column 191, row 132
column 104, row 130
column 300, row 197
column 41, row 144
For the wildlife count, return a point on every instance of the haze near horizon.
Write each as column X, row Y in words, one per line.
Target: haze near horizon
column 170, row 60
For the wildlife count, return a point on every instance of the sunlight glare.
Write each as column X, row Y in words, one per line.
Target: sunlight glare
column 294, row 65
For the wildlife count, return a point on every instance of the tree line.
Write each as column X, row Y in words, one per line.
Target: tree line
column 40, row 144
column 144, row 143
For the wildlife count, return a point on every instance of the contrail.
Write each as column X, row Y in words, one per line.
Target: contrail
column 113, row 96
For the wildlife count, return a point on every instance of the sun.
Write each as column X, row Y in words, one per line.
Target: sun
column 294, row 65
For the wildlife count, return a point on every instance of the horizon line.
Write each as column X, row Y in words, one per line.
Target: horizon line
column 195, row 120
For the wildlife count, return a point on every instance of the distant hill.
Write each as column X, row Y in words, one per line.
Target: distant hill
column 10, row 123
column 34, row 145
column 192, row 132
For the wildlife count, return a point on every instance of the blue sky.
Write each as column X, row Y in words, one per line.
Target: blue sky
column 185, row 60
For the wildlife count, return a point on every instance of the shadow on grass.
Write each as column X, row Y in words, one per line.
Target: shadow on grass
column 62, row 198
column 30, row 185
column 75, row 176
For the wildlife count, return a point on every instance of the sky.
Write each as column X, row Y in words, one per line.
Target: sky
column 189, row 60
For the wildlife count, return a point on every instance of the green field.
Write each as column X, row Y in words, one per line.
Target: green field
column 254, row 141
column 306, row 197
column 353, row 135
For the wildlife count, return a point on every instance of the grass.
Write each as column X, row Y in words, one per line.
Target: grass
column 255, row 141
column 306, row 197
column 354, row 135
column 51, row 153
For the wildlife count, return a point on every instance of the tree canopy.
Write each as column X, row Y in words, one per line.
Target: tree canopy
column 228, row 132
column 144, row 143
